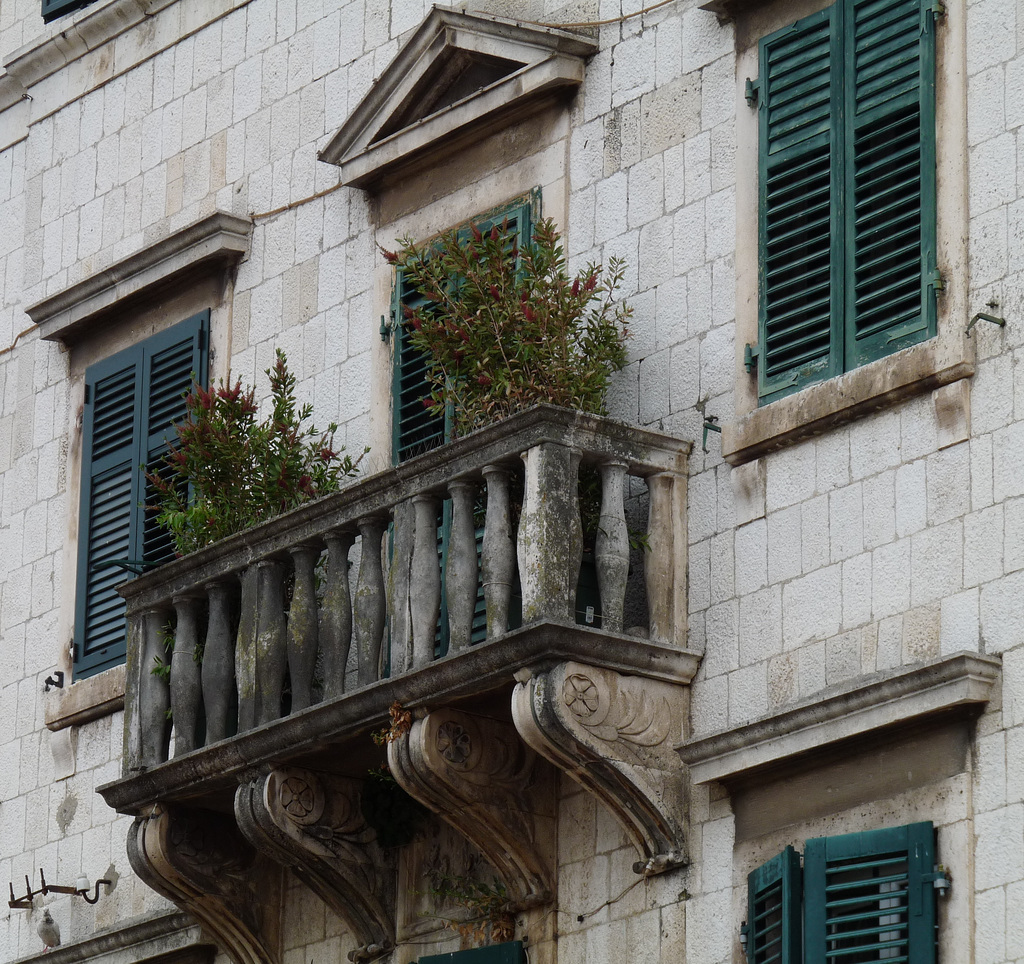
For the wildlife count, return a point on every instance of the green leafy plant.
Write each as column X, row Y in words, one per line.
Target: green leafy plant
column 490, row 910
column 503, row 329
column 228, row 471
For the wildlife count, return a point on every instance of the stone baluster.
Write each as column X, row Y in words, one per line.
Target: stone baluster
column 271, row 631
column 498, row 557
column 424, row 580
column 245, row 651
column 303, row 632
column 659, row 569
column 218, row 663
column 154, row 693
column 403, row 520
column 611, row 546
column 370, row 603
column 550, row 542
column 461, row 570
column 186, row 685
column 336, row 615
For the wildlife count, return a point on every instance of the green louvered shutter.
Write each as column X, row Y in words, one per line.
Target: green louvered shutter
column 890, row 177
column 799, row 168
column 867, row 897
column 132, row 400
column 773, row 911
column 511, row 952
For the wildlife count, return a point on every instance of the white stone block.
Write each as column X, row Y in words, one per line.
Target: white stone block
column 890, row 578
column 812, row 606
column 993, row 173
column 959, row 622
column 997, row 860
column 688, row 238
column 790, row 476
column 646, row 189
column 697, row 161
column 857, row 590
column 751, row 557
column 1002, row 613
column 814, row 533
column 983, row 545
column 990, row 926
column 936, row 562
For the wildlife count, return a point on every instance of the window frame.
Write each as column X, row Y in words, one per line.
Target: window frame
column 508, row 952
column 792, row 902
column 949, row 357
column 145, row 443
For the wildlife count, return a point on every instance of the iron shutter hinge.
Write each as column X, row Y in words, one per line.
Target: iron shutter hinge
column 751, row 91
column 937, row 8
column 385, row 328
column 750, row 356
column 936, row 281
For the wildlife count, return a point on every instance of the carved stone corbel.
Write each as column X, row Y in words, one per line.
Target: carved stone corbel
column 614, row 735
column 475, row 773
column 198, row 859
column 312, row 823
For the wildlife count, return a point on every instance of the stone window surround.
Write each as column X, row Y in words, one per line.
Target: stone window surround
column 755, row 431
column 90, row 316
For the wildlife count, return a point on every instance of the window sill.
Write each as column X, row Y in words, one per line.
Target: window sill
column 921, row 368
column 89, row 699
column 935, row 689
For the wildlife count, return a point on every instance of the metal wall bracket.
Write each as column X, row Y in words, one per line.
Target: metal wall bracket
column 985, row 316
column 710, row 426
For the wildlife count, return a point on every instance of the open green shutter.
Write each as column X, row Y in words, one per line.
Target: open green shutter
column 511, row 952
column 867, row 897
column 773, row 911
column 132, row 399
column 799, row 173
column 890, row 177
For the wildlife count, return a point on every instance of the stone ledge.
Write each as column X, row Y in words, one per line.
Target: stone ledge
column 173, row 938
column 343, row 722
column 960, row 682
column 939, row 361
column 216, row 242
column 85, row 700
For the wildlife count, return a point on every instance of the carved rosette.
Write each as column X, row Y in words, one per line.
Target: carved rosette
column 614, row 735
column 475, row 773
column 312, row 822
column 198, row 860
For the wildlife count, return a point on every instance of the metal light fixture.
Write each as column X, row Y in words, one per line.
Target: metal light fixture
column 81, row 889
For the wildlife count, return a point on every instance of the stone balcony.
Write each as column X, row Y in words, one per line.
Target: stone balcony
column 314, row 625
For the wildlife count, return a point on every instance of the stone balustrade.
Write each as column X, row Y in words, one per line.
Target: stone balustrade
column 276, row 612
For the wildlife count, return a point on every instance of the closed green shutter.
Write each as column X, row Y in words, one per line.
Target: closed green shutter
column 800, row 264
column 773, row 911
column 511, row 952
column 132, row 400
column 847, row 266
column 890, row 177
column 867, row 897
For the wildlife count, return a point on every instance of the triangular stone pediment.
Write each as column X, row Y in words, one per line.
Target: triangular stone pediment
column 460, row 76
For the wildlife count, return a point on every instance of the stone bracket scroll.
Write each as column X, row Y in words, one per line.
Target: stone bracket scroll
column 614, row 735
column 313, row 823
column 198, row 860
column 475, row 773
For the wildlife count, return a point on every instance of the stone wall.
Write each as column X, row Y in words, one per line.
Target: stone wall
column 887, row 540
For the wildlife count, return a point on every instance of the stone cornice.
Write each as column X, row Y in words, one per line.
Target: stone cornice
column 217, row 241
column 960, row 682
column 168, row 939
